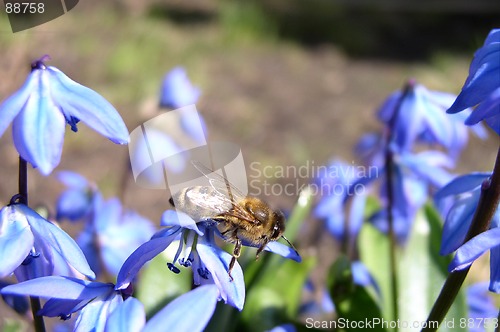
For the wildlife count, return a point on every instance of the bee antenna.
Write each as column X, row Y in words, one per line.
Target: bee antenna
column 291, row 245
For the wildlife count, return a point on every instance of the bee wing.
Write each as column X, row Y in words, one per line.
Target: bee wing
column 228, row 195
column 218, row 182
column 209, row 200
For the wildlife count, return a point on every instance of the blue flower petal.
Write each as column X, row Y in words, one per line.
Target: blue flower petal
column 88, row 106
column 284, row 328
column 55, row 307
column 474, row 248
column 127, row 317
column 139, row 257
column 39, row 130
column 73, row 180
column 16, row 240
column 462, row 184
column 356, row 214
column 494, row 123
column 73, row 204
column 151, row 153
column 122, row 237
column 11, row 107
column 495, row 269
column 177, row 218
column 95, row 314
column 217, row 262
column 283, row 250
column 67, row 288
column 189, row 312
column 488, row 108
column 56, row 241
column 457, row 224
column 177, row 91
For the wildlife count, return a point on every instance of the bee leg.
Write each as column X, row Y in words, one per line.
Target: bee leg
column 236, row 254
column 261, row 248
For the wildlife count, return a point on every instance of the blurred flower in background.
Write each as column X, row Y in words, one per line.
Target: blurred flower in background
column 177, row 90
column 41, row 108
column 418, row 115
column 481, row 306
column 111, row 233
column 338, row 183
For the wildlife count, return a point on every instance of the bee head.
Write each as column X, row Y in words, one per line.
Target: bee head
column 279, row 226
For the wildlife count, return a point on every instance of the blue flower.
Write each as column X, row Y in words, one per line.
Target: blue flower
column 177, row 91
column 67, row 295
column 189, row 312
column 45, row 103
column 464, row 191
column 76, row 202
column 338, row 183
column 467, row 189
column 197, row 249
column 482, row 86
column 481, row 306
column 163, row 144
column 421, row 118
column 31, row 246
column 102, row 308
column 413, row 177
column 111, row 234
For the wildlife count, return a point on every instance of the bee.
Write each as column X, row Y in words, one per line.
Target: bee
column 239, row 219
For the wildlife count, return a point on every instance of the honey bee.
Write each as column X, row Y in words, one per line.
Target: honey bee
column 239, row 219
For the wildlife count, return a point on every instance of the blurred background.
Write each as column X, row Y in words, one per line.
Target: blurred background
column 289, row 81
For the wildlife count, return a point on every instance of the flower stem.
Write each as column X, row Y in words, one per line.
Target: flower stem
column 389, row 174
column 488, row 204
column 389, row 164
column 23, row 199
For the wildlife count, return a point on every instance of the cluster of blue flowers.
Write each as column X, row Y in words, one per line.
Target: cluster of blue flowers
column 93, row 277
column 423, row 135
column 115, row 242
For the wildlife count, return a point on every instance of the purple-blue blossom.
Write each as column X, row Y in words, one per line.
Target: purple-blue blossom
column 31, row 246
column 102, row 308
column 481, row 306
column 177, row 90
column 482, row 87
column 340, row 182
column 111, row 234
column 196, row 249
column 43, row 106
column 421, row 118
column 76, row 201
column 466, row 191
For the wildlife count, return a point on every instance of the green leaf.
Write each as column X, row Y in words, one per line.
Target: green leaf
column 422, row 272
column 158, row 286
column 353, row 303
column 275, row 298
column 13, row 325
column 374, row 253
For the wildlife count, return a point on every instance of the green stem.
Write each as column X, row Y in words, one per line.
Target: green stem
column 389, row 164
column 23, row 199
column 389, row 173
column 488, row 204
